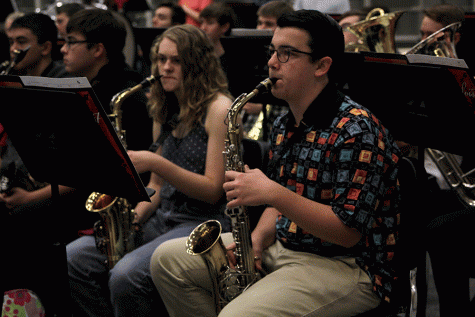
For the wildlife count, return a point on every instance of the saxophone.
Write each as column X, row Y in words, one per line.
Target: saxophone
column 205, row 240
column 7, row 66
column 115, row 232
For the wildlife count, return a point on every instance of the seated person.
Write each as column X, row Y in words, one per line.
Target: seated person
column 188, row 106
column 38, row 32
column 449, row 216
column 270, row 12
column 257, row 120
column 168, row 14
column 93, row 49
column 328, row 235
column 25, row 199
column 63, row 13
column 217, row 20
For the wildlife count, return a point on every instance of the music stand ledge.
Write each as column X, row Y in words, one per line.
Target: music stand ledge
column 64, row 137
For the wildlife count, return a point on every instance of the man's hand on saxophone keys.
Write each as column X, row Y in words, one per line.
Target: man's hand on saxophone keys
column 251, row 188
column 230, row 249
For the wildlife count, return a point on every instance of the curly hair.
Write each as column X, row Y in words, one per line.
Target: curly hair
column 203, row 78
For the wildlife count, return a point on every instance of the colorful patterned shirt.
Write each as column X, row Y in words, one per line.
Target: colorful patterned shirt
column 342, row 156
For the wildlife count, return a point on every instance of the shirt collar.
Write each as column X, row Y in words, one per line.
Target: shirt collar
column 322, row 110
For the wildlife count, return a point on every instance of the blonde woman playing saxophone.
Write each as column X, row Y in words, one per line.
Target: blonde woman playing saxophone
column 188, row 105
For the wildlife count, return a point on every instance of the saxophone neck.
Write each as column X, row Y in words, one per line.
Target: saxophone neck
column 119, row 98
column 244, row 98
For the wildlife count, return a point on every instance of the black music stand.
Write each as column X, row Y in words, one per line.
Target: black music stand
column 423, row 100
column 64, row 137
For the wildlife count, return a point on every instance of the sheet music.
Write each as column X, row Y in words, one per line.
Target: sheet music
column 435, row 60
column 57, row 83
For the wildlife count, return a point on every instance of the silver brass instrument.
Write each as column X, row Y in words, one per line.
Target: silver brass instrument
column 376, row 33
column 206, row 239
column 440, row 43
column 7, row 66
column 460, row 182
column 115, row 234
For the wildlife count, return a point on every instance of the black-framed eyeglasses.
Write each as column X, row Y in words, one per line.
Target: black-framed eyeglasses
column 69, row 43
column 284, row 52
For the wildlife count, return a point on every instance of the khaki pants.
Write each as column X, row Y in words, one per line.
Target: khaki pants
column 299, row 284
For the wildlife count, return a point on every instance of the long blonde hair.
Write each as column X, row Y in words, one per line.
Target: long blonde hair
column 203, row 77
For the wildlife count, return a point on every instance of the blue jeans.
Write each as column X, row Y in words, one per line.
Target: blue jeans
column 127, row 289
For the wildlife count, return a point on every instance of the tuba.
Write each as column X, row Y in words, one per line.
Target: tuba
column 442, row 44
column 205, row 240
column 376, row 33
column 115, row 232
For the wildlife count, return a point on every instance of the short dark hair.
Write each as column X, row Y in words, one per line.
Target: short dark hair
column 445, row 14
column 178, row 14
column 69, row 8
column 100, row 26
column 274, row 8
column 41, row 25
column 220, row 11
column 326, row 35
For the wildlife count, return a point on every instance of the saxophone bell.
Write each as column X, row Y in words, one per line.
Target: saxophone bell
column 115, row 235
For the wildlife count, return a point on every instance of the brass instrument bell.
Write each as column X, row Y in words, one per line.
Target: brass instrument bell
column 376, row 33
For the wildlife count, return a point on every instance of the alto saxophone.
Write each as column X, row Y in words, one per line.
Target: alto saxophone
column 206, row 239
column 115, row 233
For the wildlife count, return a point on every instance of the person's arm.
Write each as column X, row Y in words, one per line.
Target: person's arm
column 195, row 15
column 254, row 188
column 207, row 187
column 144, row 209
column 19, row 196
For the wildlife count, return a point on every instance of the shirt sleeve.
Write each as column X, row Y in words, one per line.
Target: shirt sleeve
column 365, row 179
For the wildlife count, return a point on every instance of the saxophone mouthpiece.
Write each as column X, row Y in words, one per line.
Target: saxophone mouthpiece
column 266, row 84
column 273, row 80
column 149, row 81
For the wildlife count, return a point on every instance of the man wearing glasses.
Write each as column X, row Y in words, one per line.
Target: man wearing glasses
column 93, row 49
column 326, row 239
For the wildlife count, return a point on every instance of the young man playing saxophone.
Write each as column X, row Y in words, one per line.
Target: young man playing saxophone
column 328, row 236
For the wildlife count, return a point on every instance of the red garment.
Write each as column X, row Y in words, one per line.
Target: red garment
column 120, row 3
column 3, row 136
column 197, row 5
